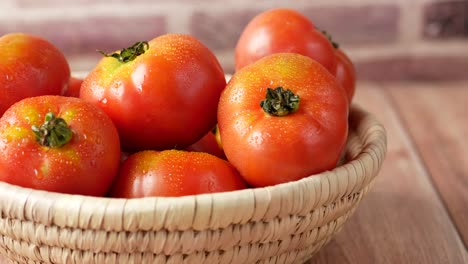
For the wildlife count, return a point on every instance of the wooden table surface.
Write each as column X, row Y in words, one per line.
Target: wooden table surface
column 417, row 212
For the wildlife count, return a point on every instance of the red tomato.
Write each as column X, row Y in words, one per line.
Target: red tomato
column 175, row 173
column 60, row 144
column 160, row 95
column 207, row 144
column 283, row 118
column 30, row 66
column 283, row 30
column 218, row 138
column 74, row 85
column 345, row 73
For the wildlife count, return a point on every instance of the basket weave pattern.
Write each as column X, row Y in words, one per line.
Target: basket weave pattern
column 286, row 223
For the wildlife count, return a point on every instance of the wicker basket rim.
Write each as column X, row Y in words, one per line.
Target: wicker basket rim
column 373, row 141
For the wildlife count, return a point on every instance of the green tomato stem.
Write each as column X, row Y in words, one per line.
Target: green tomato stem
column 280, row 102
column 53, row 133
column 329, row 37
column 130, row 53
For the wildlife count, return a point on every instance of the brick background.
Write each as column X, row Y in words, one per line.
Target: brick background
column 446, row 19
column 367, row 24
column 388, row 40
column 220, row 31
column 77, row 36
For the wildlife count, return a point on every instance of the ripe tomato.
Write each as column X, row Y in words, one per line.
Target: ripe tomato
column 162, row 94
column 60, row 144
column 175, row 173
column 283, row 118
column 74, row 85
column 30, row 66
column 207, row 144
column 283, row 30
column 345, row 73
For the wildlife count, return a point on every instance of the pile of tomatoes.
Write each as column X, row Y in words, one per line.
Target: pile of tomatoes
column 158, row 118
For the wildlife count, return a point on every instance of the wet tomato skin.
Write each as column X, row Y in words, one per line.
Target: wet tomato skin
column 165, row 98
column 30, row 66
column 172, row 173
column 283, row 30
column 86, row 165
column 268, row 149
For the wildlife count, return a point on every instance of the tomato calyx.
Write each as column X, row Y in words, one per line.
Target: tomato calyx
column 53, row 133
column 130, row 53
column 280, row 102
column 329, row 37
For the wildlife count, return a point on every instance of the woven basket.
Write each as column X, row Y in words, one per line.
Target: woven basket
column 286, row 223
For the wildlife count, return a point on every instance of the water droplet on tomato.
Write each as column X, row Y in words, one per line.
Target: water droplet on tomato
column 38, row 174
column 139, row 88
column 98, row 140
column 104, row 100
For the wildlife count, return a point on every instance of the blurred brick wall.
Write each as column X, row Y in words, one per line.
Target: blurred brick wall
column 387, row 39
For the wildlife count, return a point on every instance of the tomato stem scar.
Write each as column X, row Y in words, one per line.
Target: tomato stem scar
column 53, row 133
column 280, row 102
column 130, row 53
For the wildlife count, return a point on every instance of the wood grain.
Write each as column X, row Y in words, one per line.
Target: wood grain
column 437, row 119
column 402, row 220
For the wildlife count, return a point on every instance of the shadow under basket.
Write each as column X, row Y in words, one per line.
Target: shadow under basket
column 286, row 223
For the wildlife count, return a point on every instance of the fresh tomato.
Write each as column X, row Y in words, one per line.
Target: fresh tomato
column 345, row 73
column 207, row 144
column 283, row 118
column 60, row 144
column 175, row 173
column 162, row 94
column 283, row 30
column 74, row 85
column 30, row 66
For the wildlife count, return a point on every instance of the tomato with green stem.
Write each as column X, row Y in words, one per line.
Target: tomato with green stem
column 30, row 66
column 283, row 118
column 160, row 94
column 60, row 144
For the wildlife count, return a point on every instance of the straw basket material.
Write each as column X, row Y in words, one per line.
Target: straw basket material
column 286, row 223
